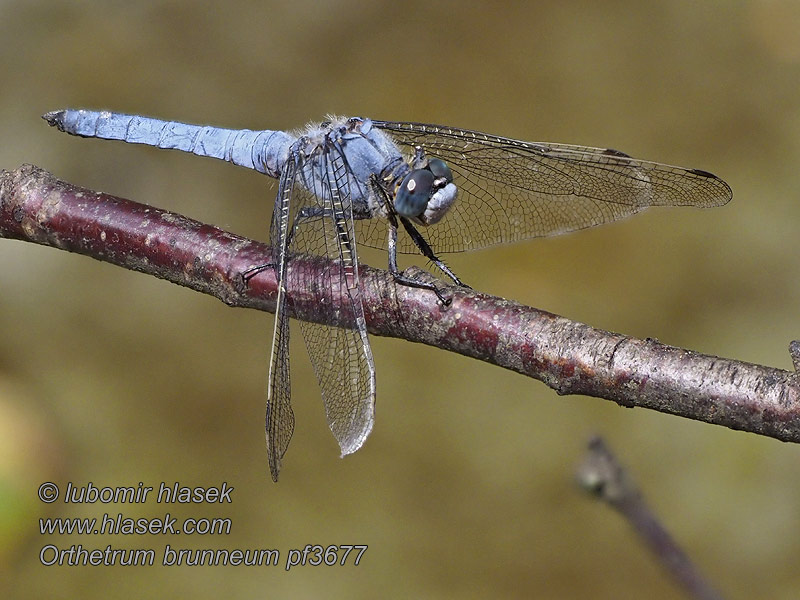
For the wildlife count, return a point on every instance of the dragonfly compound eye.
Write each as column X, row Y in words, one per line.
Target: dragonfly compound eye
column 440, row 169
column 414, row 192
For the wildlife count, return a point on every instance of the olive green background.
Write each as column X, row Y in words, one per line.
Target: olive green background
column 465, row 487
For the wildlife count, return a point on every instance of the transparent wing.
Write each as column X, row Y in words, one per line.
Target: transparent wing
column 280, row 417
column 341, row 356
column 511, row 190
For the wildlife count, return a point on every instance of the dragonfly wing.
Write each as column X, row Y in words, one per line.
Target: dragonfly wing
column 341, row 356
column 511, row 190
column 280, row 417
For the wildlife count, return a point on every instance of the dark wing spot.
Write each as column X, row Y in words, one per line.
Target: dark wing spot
column 612, row 152
column 703, row 173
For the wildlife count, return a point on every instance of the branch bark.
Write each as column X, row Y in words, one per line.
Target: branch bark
column 570, row 357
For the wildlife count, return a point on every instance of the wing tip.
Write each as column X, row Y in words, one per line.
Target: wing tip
column 274, row 470
column 726, row 194
column 352, row 445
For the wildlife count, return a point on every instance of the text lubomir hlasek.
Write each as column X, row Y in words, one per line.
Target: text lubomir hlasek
column 167, row 493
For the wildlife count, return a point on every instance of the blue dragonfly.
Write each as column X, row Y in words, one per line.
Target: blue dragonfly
column 350, row 181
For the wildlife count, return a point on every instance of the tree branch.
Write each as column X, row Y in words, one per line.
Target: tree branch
column 570, row 357
column 601, row 474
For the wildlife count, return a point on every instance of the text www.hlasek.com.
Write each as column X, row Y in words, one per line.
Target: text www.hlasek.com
column 121, row 525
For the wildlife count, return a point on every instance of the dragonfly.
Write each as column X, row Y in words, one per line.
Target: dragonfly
column 406, row 188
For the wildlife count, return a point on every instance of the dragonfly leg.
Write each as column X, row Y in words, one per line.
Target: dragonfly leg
column 308, row 212
column 253, row 271
column 427, row 251
column 402, row 279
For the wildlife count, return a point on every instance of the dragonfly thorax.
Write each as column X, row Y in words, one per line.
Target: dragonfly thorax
column 425, row 195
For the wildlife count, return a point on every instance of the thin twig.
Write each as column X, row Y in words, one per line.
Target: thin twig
column 570, row 357
column 603, row 476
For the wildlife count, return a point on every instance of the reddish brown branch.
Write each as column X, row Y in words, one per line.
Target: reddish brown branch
column 570, row 357
column 603, row 476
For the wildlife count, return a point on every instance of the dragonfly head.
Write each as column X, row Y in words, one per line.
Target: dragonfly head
column 425, row 195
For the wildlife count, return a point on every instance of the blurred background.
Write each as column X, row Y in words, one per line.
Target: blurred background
column 465, row 487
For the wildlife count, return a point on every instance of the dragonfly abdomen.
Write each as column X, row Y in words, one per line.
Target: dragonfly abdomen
column 264, row 151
